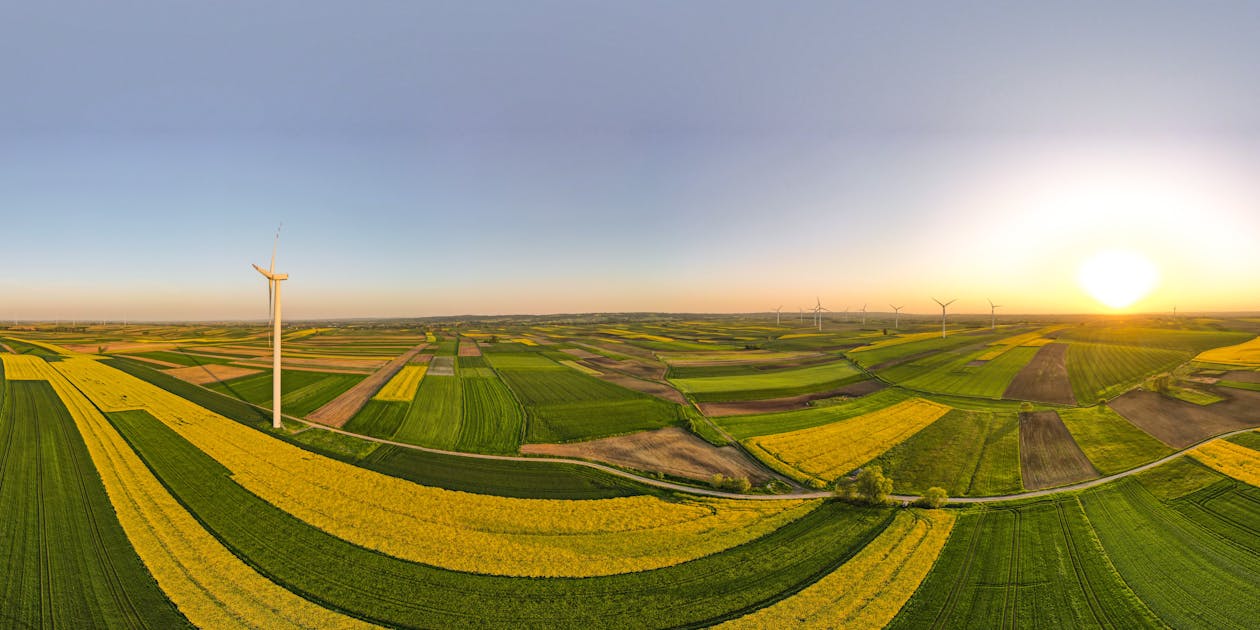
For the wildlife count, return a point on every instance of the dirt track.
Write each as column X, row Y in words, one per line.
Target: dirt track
column 1048, row 456
column 339, row 410
column 1045, row 378
column 672, row 450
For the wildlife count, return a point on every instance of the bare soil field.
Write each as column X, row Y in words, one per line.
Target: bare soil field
column 1179, row 424
column 770, row 405
column 634, row 368
column 652, row 388
column 210, row 373
column 900, row 360
column 671, row 450
column 1045, row 378
column 469, row 348
column 623, row 348
column 339, row 410
column 442, row 366
column 1241, row 376
column 421, row 359
column 579, row 353
column 1048, row 456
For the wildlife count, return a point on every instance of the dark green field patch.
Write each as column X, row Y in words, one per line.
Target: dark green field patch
column 67, row 561
column 1104, row 370
column 302, row 391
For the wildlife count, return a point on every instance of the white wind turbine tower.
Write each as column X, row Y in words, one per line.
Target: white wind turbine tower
column 896, row 316
column 818, row 311
column 777, row 312
column 273, row 298
column 863, row 315
column 993, row 314
column 943, row 305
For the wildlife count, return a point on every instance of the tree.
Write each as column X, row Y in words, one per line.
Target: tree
column 935, row 498
column 873, row 486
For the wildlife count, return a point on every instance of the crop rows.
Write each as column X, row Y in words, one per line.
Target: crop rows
column 952, row 373
column 769, row 384
column 1110, row 442
column 302, row 391
column 391, row 591
column 454, row 530
column 868, row 590
column 968, row 453
column 67, row 560
column 1104, row 370
column 823, row 412
column 210, row 585
column 1190, row 576
column 402, row 387
column 825, row 453
column 1036, row 565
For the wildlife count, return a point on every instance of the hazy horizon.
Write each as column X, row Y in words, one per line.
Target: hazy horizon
column 503, row 158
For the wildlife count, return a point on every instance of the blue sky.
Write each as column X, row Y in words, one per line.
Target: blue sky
column 442, row 158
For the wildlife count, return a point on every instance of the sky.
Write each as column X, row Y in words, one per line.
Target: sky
column 552, row 157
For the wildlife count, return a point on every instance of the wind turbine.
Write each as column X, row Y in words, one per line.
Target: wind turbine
column 818, row 311
column 802, row 314
column 896, row 316
column 777, row 311
column 846, row 314
column 273, row 304
column 943, row 305
column 863, row 315
column 993, row 314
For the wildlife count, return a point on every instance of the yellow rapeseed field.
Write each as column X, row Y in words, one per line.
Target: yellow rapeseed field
column 893, row 341
column 868, row 590
column 209, row 584
column 1235, row 460
column 455, row 530
column 403, row 386
column 829, row 451
column 25, row 367
column 1246, row 353
column 1038, row 342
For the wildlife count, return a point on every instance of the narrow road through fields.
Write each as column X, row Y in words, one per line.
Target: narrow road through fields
column 804, row 494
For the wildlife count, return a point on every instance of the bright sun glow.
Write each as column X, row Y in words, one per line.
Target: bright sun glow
column 1118, row 278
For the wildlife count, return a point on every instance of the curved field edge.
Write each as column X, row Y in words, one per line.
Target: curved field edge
column 209, row 585
column 869, row 589
column 476, row 533
column 390, row 591
column 542, row 480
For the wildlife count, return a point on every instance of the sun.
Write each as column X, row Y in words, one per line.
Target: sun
column 1118, row 278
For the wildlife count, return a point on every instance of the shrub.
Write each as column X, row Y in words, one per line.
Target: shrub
column 934, row 498
column 872, row 486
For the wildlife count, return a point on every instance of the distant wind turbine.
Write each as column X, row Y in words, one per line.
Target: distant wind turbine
column 863, row 315
column 802, row 314
column 943, row 305
column 896, row 316
column 777, row 312
column 818, row 311
column 993, row 314
column 273, row 304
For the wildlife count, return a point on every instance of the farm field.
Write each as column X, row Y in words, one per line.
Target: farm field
column 434, row 538
column 968, row 453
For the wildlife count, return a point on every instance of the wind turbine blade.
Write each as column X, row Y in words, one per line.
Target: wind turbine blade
column 274, row 246
column 950, row 302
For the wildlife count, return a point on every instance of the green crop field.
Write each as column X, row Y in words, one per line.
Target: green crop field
column 1037, row 565
column 435, row 415
column 769, row 384
column 968, row 453
column 1110, row 442
column 1108, row 556
column 1188, row 574
column 387, row 590
column 1104, row 370
column 182, row 358
column 950, row 372
column 563, row 404
column 66, row 558
column 752, row 425
column 301, row 391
